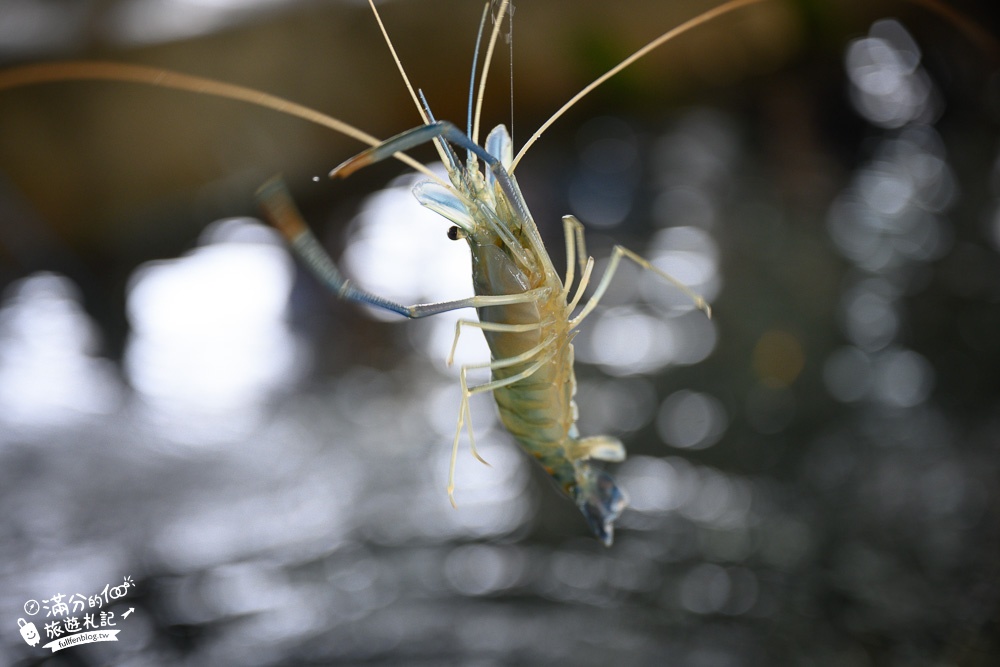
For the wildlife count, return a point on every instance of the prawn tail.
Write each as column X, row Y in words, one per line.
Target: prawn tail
column 600, row 500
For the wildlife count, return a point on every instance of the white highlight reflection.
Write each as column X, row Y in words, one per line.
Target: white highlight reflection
column 690, row 255
column 889, row 87
column 48, row 371
column 400, row 250
column 903, row 378
column 209, row 337
column 691, row 420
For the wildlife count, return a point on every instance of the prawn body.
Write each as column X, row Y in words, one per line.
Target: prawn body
column 527, row 312
column 530, row 342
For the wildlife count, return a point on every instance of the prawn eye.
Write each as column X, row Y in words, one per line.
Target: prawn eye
column 455, row 233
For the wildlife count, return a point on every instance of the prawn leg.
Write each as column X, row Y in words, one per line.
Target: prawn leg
column 484, row 326
column 467, row 392
column 616, row 256
column 281, row 211
column 489, row 326
column 573, row 230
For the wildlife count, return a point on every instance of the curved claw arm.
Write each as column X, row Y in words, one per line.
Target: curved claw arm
column 280, row 210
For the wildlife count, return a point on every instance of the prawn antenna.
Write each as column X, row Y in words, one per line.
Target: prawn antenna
column 475, row 65
column 399, row 63
column 127, row 73
column 426, row 106
column 486, row 68
column 510, row 59
column 406, row 79
column 705, row 17
column 982, row 38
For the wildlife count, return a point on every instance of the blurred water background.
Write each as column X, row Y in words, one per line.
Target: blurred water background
column 813, row 473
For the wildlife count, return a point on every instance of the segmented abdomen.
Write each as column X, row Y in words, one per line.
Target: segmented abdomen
column 538, row 412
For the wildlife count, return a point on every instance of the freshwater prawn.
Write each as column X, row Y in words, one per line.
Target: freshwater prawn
column 526, row 311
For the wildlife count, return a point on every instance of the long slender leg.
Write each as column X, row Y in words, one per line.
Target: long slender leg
column 467, row 392
column 616, row 255
column 485, row 326
column 584, row 281
column 489, row 326
column 281, row 212
column 464, row 409
column 569, row 231
column 573, row 230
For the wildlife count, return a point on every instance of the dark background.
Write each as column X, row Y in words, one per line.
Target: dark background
column 813, row 473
